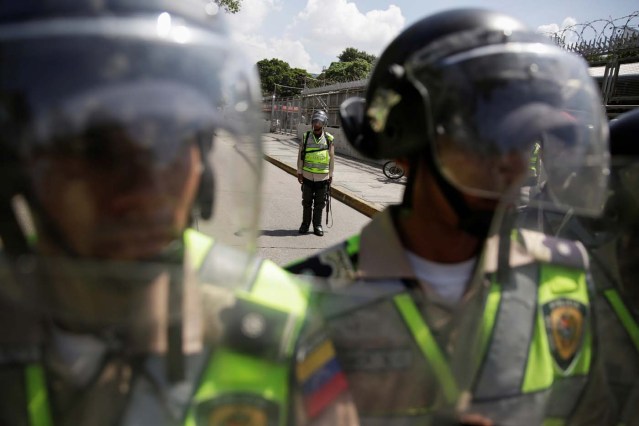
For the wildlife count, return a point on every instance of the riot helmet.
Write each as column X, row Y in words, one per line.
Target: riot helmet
column 473, row 90
column 124, row 123
column 319, row 116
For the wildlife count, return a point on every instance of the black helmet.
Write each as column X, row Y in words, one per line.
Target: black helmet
column 320, row 116
column 117, row 117
column 623, row 134
column 476, row 84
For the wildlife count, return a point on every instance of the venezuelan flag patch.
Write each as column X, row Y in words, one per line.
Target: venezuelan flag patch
column 321, row 378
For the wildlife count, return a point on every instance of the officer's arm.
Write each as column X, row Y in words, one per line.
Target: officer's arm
column 331, row 164
column 300, row 161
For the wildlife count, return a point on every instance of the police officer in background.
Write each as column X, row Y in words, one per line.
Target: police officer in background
column 315, row 163
column 613, row 247
column 422, row 320
column 618, row 262
column 121, row 120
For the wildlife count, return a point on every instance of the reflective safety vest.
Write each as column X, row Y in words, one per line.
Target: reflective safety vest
column 536, row 338
column 316, row 152
column 617, row 325
column 234, row 377
column 543, row 314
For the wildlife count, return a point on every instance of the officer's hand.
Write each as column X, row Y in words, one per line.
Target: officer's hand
column 300, row 179
column 330, row 180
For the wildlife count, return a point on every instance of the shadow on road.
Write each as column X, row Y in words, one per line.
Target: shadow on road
column 279, row 232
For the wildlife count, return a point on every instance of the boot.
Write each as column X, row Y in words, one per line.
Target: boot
column 306, row 220
column 317, row 223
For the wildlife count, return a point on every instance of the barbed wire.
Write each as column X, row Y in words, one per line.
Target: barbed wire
column 593, row 40
column 604, row 34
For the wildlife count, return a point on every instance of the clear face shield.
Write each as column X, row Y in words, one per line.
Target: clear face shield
column 496, row 107
column 495, row 104
column 122, row 139
column 522, row 123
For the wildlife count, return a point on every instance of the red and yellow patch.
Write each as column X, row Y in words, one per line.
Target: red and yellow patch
column 321, row 378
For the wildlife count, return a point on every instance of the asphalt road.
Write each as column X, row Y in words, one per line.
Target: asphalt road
column 281, row 217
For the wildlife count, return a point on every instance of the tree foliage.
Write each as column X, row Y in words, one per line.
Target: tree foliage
column 277, row 76
column 231, row 6
column 347, row 71
column 350, row 54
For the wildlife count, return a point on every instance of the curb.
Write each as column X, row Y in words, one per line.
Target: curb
column 364, row 207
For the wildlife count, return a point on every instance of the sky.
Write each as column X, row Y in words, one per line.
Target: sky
column 310, row 34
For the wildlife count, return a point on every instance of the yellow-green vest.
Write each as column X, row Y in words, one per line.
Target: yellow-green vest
column 316, row 152
column 228, row 372
column 537, row 371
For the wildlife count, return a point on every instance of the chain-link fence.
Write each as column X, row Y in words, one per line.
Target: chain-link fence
column 285, row 114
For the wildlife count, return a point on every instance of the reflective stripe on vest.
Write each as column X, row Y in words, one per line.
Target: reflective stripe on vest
column 522, row 364
column 428, row 345
column 232, row 373
column 37, row 396
column 624, row 315
column 422, row 336
column 317, row 156
column 228, row 372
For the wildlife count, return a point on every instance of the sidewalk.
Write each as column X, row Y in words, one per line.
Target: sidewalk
column 358, row 184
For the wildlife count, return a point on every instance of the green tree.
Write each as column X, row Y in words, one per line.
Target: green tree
column 346, row 71
column 231, row 6
column 350, row 54
column 276, row 76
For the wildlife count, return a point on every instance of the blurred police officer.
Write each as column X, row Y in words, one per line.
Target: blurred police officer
column 464, row 95
column 617, row 280
column 315, row 163
column 612, row 245
column 118, row 117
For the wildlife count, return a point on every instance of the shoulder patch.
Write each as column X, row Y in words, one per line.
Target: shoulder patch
column 565, row 322
column 320, row 376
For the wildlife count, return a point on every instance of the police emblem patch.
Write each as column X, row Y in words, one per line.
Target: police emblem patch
column 565, row 325
column 237, row 410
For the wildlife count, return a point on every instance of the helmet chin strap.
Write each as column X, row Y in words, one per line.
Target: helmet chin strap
column 474, row 222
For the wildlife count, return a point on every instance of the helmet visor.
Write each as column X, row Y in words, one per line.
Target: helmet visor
column 121, row 134
column 142, row 121
column 494, row 104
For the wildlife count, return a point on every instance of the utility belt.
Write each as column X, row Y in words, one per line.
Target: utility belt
column 315, row 184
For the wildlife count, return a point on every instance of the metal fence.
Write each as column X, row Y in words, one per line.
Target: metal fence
column 611, row 48
column 285, row 114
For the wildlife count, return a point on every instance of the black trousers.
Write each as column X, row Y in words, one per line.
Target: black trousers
column 313, row 201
